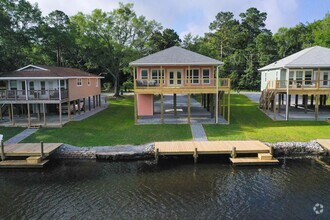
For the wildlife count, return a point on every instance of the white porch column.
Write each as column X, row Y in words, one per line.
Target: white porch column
column 59, row 90
column 26, row 90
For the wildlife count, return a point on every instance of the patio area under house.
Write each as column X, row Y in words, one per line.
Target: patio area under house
column 178, row 86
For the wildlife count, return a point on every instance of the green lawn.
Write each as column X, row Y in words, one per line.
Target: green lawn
column 248, row 122
column 113, row 126
column 9, row 132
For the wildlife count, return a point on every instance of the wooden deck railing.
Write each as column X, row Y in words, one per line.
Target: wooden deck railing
column 298, row 84
column 14, row 95
column 224, row 83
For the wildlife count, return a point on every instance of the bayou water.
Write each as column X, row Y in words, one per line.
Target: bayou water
column 172, row 189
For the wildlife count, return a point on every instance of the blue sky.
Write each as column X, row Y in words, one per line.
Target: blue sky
column 194, row 16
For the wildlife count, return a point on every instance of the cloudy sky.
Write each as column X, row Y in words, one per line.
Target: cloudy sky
column 194, row 16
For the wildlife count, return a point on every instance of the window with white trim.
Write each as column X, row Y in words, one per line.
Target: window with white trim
column 144, row 74
column 88, row 81
column 206, row 76
column 97, row 82
column 79, row 82
column 291, row 77
column 13, row 84
column 194, row 76
column 155, row 75
column 308, row 77
column 299, row 77
column 43, row 87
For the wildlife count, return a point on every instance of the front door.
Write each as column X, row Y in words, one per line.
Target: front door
column 175, row 77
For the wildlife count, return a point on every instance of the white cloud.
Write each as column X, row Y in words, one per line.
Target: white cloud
column 186, row 16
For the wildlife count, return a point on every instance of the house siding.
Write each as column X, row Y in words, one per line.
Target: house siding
column 85, row 90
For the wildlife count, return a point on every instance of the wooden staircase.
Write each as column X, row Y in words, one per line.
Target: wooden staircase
column 266, row 100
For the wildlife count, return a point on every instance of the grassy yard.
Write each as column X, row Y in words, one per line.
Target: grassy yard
column 9, row 132
column 113, row 126
column 248, row 122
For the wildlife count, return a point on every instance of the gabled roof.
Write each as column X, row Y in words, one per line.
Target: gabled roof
column 312, row 57
column 175, row 56
column 41, row 71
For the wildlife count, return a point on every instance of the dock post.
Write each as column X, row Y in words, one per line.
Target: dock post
column 42, row 149
column 2, row 151
column 233, row 152
column 271, row 150
column 195, row 155
column 156, row 155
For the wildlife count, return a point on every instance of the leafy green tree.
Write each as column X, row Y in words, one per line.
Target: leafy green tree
column 227, row 34
column 108, row 41
column 56, row 34
column 166, row 39
column 321, row 31
column 19, row 30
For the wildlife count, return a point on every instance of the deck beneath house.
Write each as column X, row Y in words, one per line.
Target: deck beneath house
column 233, row 148
column 198, row 114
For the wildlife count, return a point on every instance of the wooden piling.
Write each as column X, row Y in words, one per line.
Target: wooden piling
column 195, row 155
column 89, row 103
column 156, row 155
column 189, row 108
column 233, row 152
column 2, row 151
column 271, row 150
column 42, row 154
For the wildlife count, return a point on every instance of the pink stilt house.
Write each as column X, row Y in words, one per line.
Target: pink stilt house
column 164, row 82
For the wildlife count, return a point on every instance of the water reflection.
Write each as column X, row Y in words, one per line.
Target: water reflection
column 172, row 189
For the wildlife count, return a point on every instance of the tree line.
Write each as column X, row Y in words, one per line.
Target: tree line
column 105, row 42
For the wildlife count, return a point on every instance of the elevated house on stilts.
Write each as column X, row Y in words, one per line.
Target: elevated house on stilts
column 35, row 96
column 168, row 83
column 297, row 86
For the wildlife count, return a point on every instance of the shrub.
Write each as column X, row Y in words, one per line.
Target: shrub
column 128, row 86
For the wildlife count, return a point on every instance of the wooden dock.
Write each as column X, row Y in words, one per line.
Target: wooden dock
column 29, row 149
column 233, row 148
column 33, row 155
column 325, row 143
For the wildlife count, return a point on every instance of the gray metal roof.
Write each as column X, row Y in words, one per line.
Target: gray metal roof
column 312, row 57
column 175, row 56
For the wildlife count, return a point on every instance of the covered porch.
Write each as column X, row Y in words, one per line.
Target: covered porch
column 47, row 113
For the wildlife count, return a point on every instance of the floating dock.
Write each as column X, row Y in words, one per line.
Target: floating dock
column 33, row 155
column 232, row 148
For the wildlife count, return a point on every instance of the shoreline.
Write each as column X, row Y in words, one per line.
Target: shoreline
column 146, row 151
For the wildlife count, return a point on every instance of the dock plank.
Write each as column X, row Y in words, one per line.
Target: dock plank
column 324, row 143
column 252, row 161
column 21, row 164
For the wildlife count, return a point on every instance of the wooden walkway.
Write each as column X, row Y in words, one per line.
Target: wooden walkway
column 210, row 147
column 324, row 143
column 32, row 153
column 29, row 149
column 233, row 148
